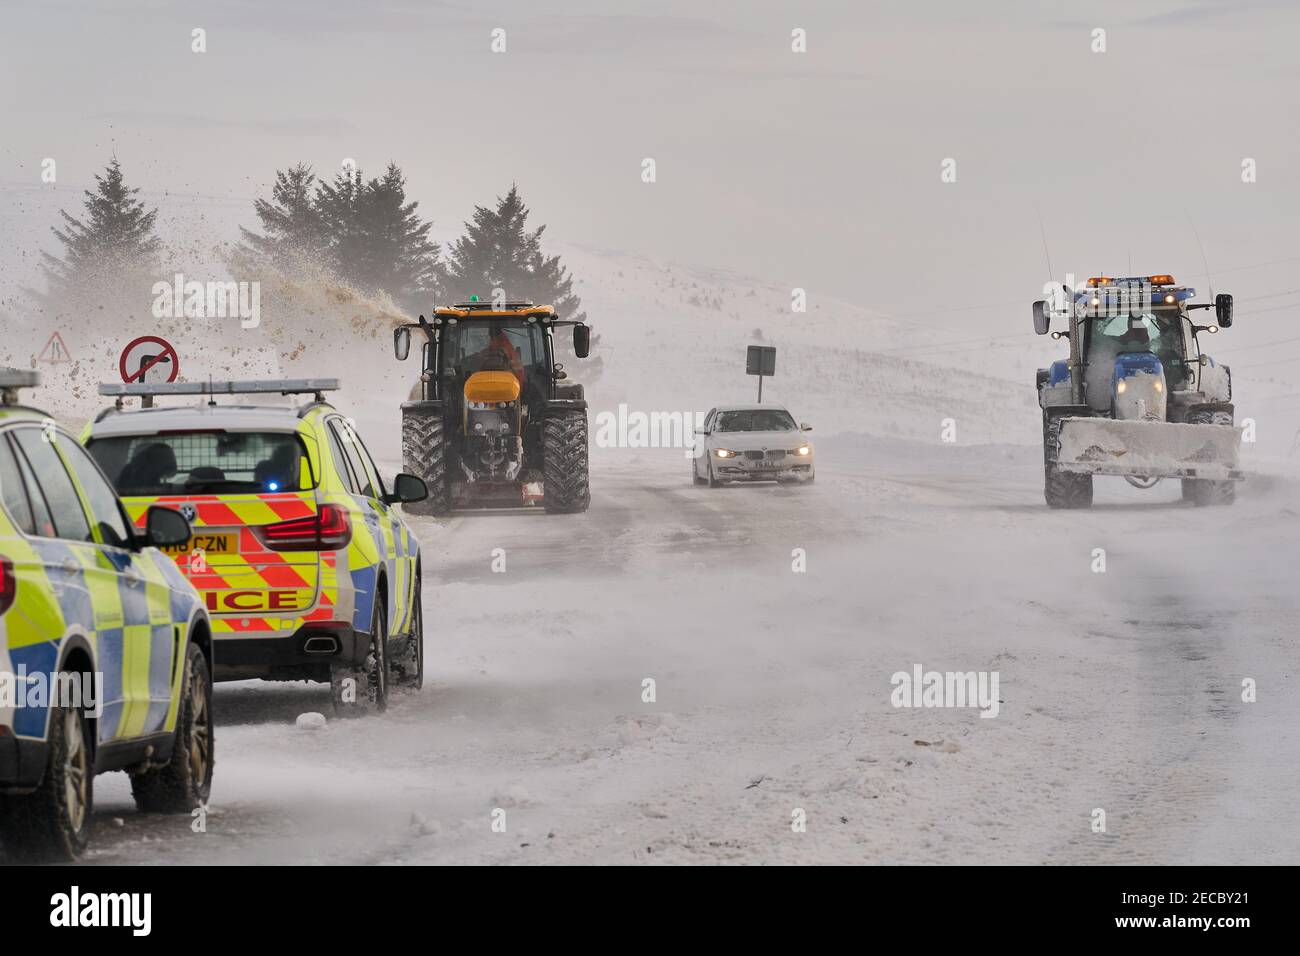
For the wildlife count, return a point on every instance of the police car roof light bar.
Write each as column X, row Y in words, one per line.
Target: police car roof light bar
column 12, row 379
column 274, row 386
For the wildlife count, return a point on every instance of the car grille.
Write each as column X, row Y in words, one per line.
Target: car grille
column 754, row 455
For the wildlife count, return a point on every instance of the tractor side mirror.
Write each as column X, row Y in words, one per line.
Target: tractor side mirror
column 401, row 343
column 406, row 489
column 1041, row 317
column 582, row 340
column 165, row 527
column 1223, row 310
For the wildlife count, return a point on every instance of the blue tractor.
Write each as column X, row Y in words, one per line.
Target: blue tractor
column 1137, row 397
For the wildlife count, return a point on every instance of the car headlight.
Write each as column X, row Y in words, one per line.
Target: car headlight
column 724, row 453
column 804, row 450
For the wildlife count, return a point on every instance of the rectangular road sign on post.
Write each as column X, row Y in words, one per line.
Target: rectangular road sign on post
column 760, row 360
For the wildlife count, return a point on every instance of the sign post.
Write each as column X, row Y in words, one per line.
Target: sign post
column 148, row 359
column 760, row 360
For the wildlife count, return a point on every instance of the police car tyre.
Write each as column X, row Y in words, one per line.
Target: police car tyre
column 1206, row 494
column 408, row 669
column 424, row 450
column 185, row 781
column 1062, row 489
column 53, row 822
column 566, row 487
column 368, row 692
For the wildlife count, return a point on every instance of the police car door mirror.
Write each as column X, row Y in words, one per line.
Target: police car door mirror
column 1041, row 318
column 1223, row 309
column 401, row 343
column 164, row 527
column 406, row 489
column 582, row 340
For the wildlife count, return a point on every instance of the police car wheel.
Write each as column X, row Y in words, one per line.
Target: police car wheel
column 408, row 670
column 53, row 822
column 184, row 782
column 363, row 688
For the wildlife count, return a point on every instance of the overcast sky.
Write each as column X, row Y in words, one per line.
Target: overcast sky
column 819, row 169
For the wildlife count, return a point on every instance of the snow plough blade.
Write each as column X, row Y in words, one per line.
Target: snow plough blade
column 1151, row 449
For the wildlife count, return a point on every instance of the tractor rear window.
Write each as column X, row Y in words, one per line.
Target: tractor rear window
column 204, row 462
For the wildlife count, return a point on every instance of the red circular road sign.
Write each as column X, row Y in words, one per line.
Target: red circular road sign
column 149, row 355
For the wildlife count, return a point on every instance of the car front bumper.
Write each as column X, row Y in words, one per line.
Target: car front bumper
column 742, row 468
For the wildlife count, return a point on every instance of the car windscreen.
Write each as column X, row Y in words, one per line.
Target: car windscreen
column 756, row 420
column 203, row 462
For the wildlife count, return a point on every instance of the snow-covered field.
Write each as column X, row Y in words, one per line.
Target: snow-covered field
column 1119, row 691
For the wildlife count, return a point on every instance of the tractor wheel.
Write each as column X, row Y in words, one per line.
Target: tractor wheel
column 566, row 487
column 424, row 449
column 1204, row 493
column 1062, row 489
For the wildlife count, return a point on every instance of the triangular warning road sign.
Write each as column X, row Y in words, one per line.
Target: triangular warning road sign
column 55, row 351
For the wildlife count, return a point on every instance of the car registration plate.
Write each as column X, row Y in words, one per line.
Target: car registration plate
column 207, row 543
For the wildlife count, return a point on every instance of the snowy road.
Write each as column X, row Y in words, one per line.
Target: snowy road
column 1120, row 690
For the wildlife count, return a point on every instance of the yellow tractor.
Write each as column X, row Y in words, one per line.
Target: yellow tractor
column 493, row 420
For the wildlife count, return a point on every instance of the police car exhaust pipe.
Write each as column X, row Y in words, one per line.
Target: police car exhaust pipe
column 321, row 645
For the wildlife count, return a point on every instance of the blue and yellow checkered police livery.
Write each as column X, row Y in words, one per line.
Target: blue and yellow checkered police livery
column 96, row 631
column 305, row 566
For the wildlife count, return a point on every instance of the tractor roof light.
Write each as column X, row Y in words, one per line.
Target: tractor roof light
column 1169, row 299
column 1163, row 279
column 1096, row 281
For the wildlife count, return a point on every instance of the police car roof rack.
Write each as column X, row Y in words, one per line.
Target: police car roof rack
column 146, row 391
column 12, row 379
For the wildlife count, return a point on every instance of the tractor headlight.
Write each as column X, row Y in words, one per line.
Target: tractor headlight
column 804, row 450
column 724, row 453
column 1158, row 385
column 1121, row 387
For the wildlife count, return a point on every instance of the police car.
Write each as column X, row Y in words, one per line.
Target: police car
column 305, row 566
column 105, row 648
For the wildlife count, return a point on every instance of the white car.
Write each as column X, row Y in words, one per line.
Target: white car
column 752, row 443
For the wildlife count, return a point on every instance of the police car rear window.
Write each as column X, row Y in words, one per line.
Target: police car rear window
column 203, row 462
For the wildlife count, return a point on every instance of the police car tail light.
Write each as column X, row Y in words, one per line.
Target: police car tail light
column 328, row 529
column 8, row 584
